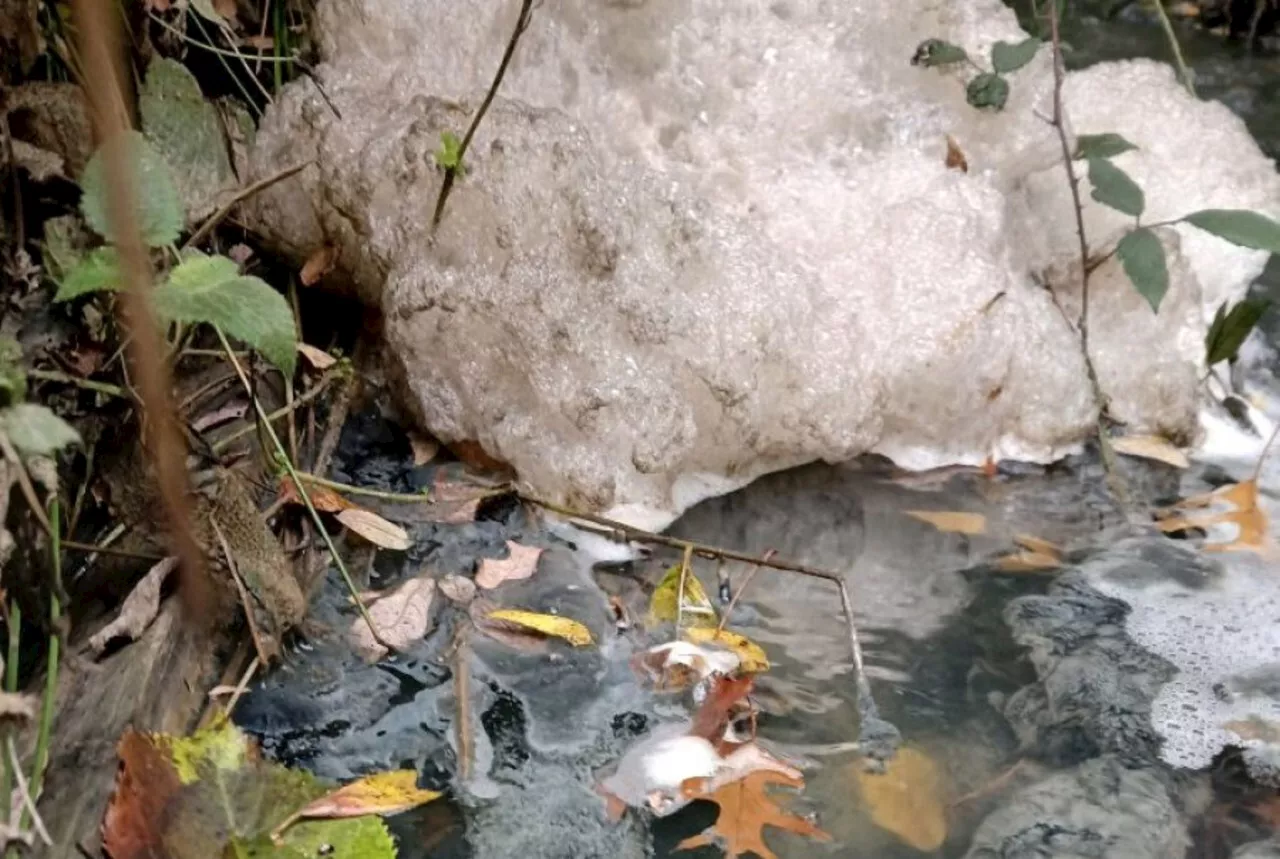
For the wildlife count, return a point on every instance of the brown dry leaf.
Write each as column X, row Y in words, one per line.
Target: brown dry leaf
column 375, row 529
column 259, row 43
column 424, row 448
column 1037, row 544
column 138, row 609
column 1151, row 447
column 1028, row 561
column 381, row 793
column 1242, row 510
column 320, row 263
column 955, row 157
column 906, row 799
column 323, row 498
column 402, row 616
column 746, row 808
column 1255, row 728
column 474, row 455
column 317, row 358
column 147, row 781
column 724, row 697
column 519, row 564
column 951, row 521
column 230, row 412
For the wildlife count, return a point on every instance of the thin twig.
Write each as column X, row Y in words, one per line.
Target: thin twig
column 397, row 497
column 245, row 680
column 87, row 384
column 755, row 568
column 462, row 699
column 684, row 577
column 451, row 173
column 28, row 804
column 1184, row 73
column 95, row 548
column 316, row 390
column 14, row 622
column 214, row 49
column 216, row 218
column 208, row 43
column 1262, row 457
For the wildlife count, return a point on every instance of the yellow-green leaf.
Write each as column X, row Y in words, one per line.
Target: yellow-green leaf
column 752, row 657
column 222, row 747
column 380, row 793
column 698, row 610
column 547, row 624
column 906, row 799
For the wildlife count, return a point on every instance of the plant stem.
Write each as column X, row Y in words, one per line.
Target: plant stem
column 398, row 497
column 1184, row 73
column 87, row 384
column 316, row 390
column 242, row 195
column 11, row 686
column 51, row 665
column 451, row 173
column 684, row 577
column 302, row 492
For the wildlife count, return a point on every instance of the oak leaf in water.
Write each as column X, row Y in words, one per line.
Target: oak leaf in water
column 1235, row 504
column 906, row 799
column 520, row 563
column 955, row 156
column 746, row 808
column 381, row 793
column 952, row 521
column 402, row 616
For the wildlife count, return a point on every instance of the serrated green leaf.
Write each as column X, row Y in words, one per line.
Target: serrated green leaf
column 210, row 289
column 987, row 90
column 1113, row 187
column 1142, row 256
column 35, row 430
column 1240, row 227
column 157, row 210
column 98, row 271
column 936, row 52
column 60, row 244
column 1010, row 56
column 1107, row 145
column 1231, row 328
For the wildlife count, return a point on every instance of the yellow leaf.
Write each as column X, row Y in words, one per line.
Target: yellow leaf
column 952, row 521
column 752, row 656
column 1151, row 447
column 381, row 793
column 222, row 747
column 1028, row 561
column 698, row 610
column 375, row 529
column 1036, row 544
column 547, row 624
column 906, row 799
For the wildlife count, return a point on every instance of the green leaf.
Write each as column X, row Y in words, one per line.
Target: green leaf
column 1113, row 187
column 35, row 430
column 1142, row 256
column 1240, row 227
column 1231, row 328
column 987, row 90
column 936, row 52
column 98, row 271
column 449, row 156
column 211, row 289
column 155, row 198
column 1101, row 146
column 1010, row 56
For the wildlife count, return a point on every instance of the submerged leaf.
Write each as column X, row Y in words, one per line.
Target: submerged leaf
column 402, row 617
column 1113, row 187
column 906, row 799
column 987, row 90
column 1236, row 504
column 1010, row 56
column 752, row 658
column 1142, row 256
column 545, row 624
column 520, row 563
column 156, row 207
column 1241, row 227
column 1107, row 145
column 698, row 610
column 746, row 808
column 35, row 430
column 952, row 521
column 1231, row 328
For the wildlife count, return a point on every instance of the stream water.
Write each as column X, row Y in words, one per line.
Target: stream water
column 1035, row 694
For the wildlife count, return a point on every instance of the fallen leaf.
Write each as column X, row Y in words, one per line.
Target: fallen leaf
column 322, row 498
column 678, row 664
column 375, row 529
column 1151, row 447
column 1028, row 562
column 955, row 157
column 424, row 448
column 1255, row 728
column 136, row 815
column 217, row 417
column 546, row 624
column 474, row 455
column 520, row 563
column 511, row 635
column 698, row 610
column 752, row 658
column 746, row 808
column 459, row 589
column 1036, row 544
column 1236, row 504
column 320, row 263
column 951, row 521
column 317, row 358
column 258, row 43
column 138, row 609
column 725, row 696
column 402, row 616
column 1185, row 10
column 381, row 793
column 906, row 799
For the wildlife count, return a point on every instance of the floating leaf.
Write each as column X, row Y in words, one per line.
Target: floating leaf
column 952, row 521
column 1027, row 561
column 1009, row 57
column 546, row 624
column 157, row 209
column 1231, row 328
column 138, row 609
column 1142, row 256
column 746, row 808
column 1240, row 227
column 35, row 430
column 987, row 90
column 1151, row 447
column 1107, row 145
column 381, row 793
column 936, row 52
column 211, row 289
column 1236, row 504
column 752, row 657
column 98, row 271
column 402, row 617
column 906, row 799
column 520, row 563
column 1113, row 187
column 955, row 156
column 698, row 610
column 318, row 265
column 375, row 529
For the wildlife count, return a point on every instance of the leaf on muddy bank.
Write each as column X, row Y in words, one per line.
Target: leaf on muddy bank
column 955, row 159
column 317, row 358
column 698, row 610
column 375, row 529
column 1151, row 447
column 322, row 497
column 138, row 609
column 320, row 263
column 906, row 799
column 549, row 625
column 402, row 617
column 746, row 808
column 1235, row 504
column 383, row 793
column 751, row 656
column 520, row 563
column 951, row 521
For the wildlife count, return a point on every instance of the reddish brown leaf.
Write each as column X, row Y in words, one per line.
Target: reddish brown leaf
column 145, row 785
column 955, row 157
column 320, row 263
column 323, row 498
column 746, row 808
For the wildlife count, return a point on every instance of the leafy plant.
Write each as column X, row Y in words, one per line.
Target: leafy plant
column 988, row 89
column 449, row 155
column 199, row 288
column 32, row 429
